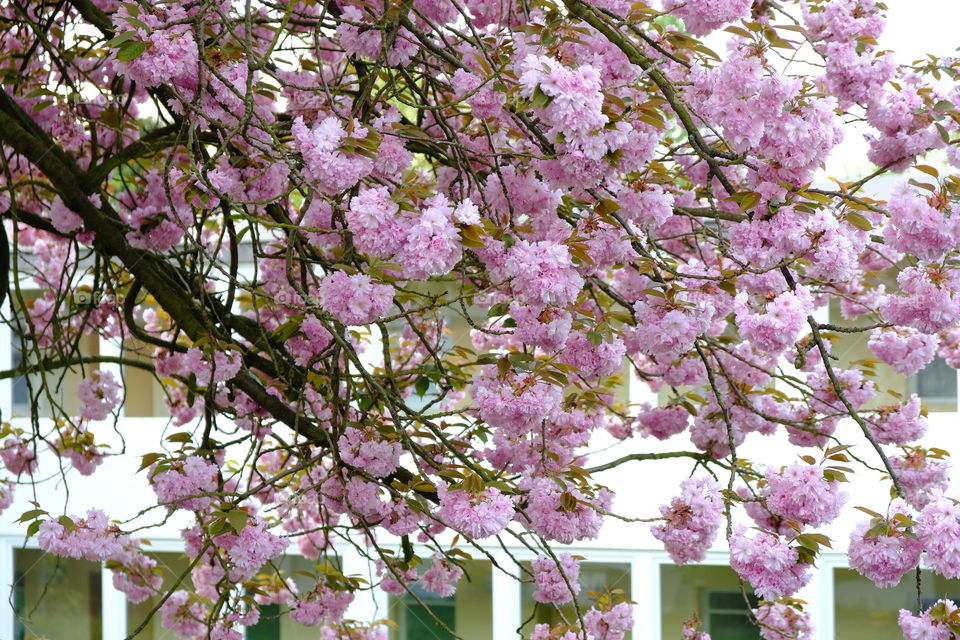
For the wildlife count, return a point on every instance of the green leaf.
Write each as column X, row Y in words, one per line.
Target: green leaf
column 594, row 338
column 67, row 523
column 31, row 515
column 33, row 528
column 148, row 459
column 238, row 519
column 130, row 50
column 120, row 39
column 422, row 385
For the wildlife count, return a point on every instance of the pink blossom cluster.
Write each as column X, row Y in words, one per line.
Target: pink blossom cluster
column 90, row 538
column 938, row 527
column 929, row 303
column 180, row 484
column 575, row 107
column 556, row 581
column 99, row 395
column 921, row 474
column 781, row 621
column 324, row 163
column 779, row 324
column 171, row 53
column 900, row 423
column 903, row 348
column 478, row 515
column 542, row 273
column 354, row 300
column 547, row 513
column 803, row 494
column 591, row 360
column 691, row 520
column 366, row 450
column 612, row 624
column 516, row 403
column 76, row 443
column 18, row 456
column 541, row 326
column 667, row 329
column 883, row 549
column 932, row 624
column 7, row 488
column 322, row 604
column 184, row 615
column 248, row 550
column 701, row 17
column 441, row 576
column 768, row 563
column 648, row 207
column 423, row 245
column 919, row 228
column 662, row 422
column 135, row 573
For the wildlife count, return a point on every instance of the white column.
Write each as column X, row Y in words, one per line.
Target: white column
column 506, row 599
column 645, row 591
column 819, row 596
column 113, row 608
column 7, row 615
column 6, row 362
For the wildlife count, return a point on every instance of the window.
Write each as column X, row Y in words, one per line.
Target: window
column 171, row 564
column 936, row 384
column 862, row 611
column 468, row 613
column 596, row 577
column 55, row 597
column 710, row 592
column 726, row 615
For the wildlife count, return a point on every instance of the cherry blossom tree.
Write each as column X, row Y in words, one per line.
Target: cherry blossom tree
column 289, row 204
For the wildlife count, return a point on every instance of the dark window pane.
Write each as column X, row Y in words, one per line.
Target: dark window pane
column 937, row 381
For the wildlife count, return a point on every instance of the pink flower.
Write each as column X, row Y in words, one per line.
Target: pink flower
column 322, row 604
column 779, row 621
column 542, row 273
column 700, row 17
column 183, row 615
column 932, row 624
column 517, row 403
column 922, row 474
column 899, row 424
column 767, row 563
column 442, row 576
column 779, row 325
column 365, row 450
column 662, row 422
column 801, row 493
column 332, row 170
column 903, row 348
column 181, row 483
column 692, row 520
column 18, row 456
column 477, row 515
column 91, row 538
column 134, row 574
column 557, row 581
column 882, row 549
column 938, row 528
column 593, row 358
column 7, row 488
column 354, row 300
column 99, row 394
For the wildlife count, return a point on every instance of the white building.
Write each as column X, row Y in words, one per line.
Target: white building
column 75, row 600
